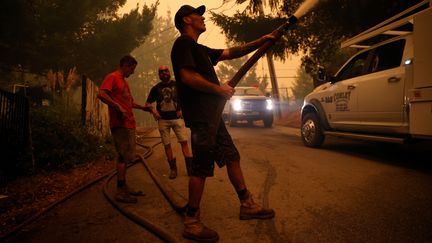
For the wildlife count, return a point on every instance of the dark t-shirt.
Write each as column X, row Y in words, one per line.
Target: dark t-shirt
column 165, row 95
column 197, row 106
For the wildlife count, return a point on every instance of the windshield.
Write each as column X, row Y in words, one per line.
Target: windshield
column 248, row 92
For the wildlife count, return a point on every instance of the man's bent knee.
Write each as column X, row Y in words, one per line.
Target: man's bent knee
column 202, row 164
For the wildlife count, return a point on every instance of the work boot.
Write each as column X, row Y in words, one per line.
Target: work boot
column 123, row 196
column 173, row 168
column 195, row 230
column 188, row 161
column 252, row 210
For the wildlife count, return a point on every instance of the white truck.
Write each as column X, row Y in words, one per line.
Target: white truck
column 382, row 93
column 249, row 104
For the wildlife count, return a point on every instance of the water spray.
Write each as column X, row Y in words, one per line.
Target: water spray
column 305, row 8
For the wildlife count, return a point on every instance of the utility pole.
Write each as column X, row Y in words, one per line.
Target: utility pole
column 274, row 83
column 273, row 80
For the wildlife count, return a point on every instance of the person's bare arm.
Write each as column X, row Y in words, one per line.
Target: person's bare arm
column 153, row 111
column 104, row 96
column 196, row 81
column 141, row 107
column 239, row 51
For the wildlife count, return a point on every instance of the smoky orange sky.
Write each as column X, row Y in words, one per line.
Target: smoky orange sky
column 285, row 72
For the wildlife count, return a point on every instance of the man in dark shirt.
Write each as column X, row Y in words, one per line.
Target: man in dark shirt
column 199, row 93
column 169, row 116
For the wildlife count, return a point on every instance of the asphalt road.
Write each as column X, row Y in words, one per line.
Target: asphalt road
column 348, row 191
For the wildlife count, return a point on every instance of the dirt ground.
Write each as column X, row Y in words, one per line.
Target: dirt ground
column 289, row 119
column 30, row 195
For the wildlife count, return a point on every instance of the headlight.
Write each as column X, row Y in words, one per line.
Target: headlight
column 269, row 105
column 237, row 105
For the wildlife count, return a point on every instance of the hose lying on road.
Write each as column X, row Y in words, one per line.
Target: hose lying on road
column 51, row 206
column 158, row 231
column 177, row 201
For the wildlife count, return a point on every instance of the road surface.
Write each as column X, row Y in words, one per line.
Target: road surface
column 348, row 191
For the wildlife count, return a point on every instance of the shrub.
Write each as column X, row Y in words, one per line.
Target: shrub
column 59, row 140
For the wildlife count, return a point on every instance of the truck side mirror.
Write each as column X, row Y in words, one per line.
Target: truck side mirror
column 321, row 74
column 333, row 79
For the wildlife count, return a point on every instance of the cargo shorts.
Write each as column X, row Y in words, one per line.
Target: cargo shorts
column 124, row 141
column 177, row 125
column 209, row 147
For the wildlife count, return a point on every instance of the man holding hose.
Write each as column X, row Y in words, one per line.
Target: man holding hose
column 199, row 93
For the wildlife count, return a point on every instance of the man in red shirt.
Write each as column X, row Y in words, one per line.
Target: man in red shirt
column 115, row 92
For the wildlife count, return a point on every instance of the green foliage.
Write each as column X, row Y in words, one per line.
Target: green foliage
column 60, row 34
column 302, row 85
column 318, row 33
column 235, row 29
column 60, row 142
column 154, row 52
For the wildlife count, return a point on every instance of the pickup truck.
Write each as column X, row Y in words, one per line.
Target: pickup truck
column 248, row 104
column 382, row 93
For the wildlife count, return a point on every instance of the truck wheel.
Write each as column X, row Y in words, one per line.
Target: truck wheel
column 268, row 121
column 311, row 131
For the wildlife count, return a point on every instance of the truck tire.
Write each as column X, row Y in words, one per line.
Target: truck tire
column 311, row 131
column 268, row 121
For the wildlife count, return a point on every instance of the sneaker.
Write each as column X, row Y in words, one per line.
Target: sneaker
column 134, row 192
column 252, row 210
column 195, row 230
column 173, row 174
column 125, row 197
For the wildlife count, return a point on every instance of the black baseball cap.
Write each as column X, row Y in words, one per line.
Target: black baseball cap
column 186, row 10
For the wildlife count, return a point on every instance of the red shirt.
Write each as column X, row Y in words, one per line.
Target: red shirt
column 117, row 87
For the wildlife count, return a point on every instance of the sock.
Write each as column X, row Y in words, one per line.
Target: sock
column 121, row 183
column 190, row 211
column 242, row 194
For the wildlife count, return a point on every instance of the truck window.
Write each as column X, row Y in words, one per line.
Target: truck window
column 387, row 56
column 239, row 91
column 355, row 67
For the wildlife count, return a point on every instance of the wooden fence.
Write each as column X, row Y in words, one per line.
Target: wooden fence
column 96, row 112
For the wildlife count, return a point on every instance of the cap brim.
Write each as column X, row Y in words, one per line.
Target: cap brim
column 200, row 10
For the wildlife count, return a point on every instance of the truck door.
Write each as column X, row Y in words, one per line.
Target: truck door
column 381, row 89
column 343, row 107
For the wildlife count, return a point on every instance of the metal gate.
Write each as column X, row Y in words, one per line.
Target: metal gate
column 14, row 128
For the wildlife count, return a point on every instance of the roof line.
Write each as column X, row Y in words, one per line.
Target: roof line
column 386, row 26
